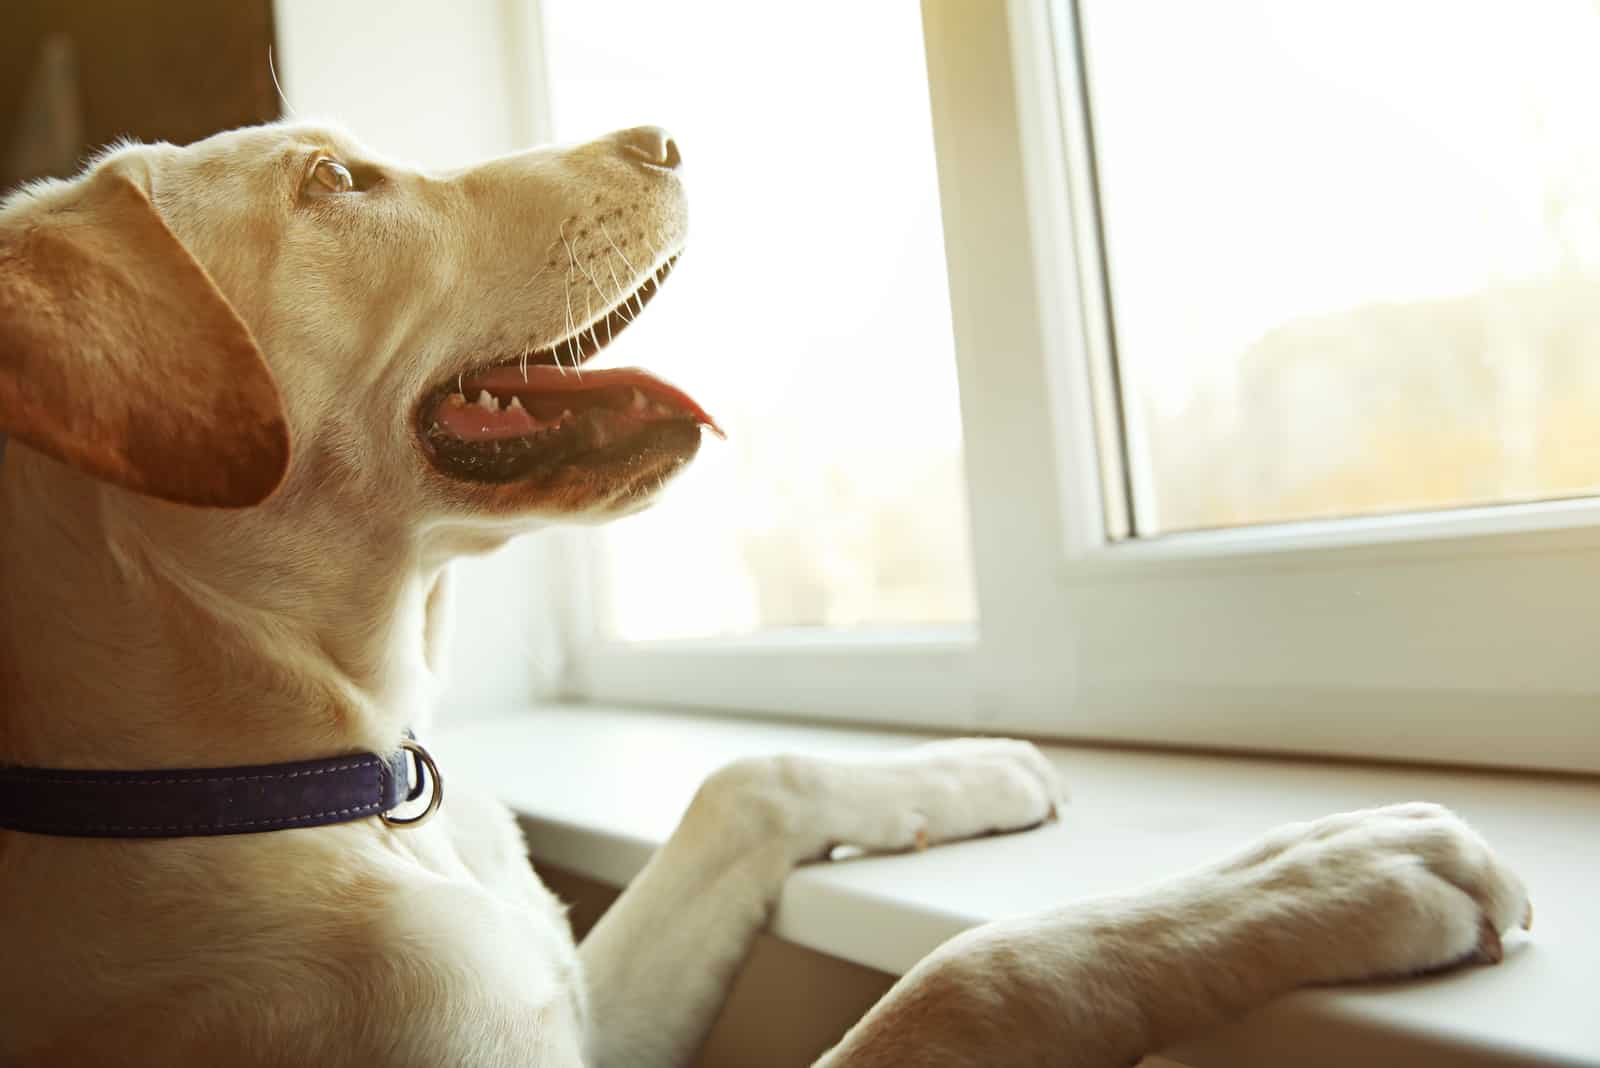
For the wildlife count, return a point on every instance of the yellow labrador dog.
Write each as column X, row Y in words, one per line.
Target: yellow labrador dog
column 259, row 392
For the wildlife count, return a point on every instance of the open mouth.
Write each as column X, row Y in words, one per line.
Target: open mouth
column 538, row 412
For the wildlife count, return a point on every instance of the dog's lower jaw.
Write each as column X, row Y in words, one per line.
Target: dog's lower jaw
column 617, row 482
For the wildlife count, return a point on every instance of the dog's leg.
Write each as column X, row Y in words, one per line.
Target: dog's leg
column 1387, row 892
column 659, row 963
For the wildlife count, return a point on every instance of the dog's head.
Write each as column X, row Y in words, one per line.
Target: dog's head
column 277, row 310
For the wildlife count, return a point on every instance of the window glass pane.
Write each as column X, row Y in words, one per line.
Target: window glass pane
column 810, row 314
column 1354, row 251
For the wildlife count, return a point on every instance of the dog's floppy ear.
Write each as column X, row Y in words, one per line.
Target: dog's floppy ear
column 120, row 357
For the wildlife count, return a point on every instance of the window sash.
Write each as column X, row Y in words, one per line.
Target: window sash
column 1463, row 636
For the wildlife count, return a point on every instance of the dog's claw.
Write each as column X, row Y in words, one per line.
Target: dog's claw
column 1490, row 950
column 1527, row 917
column 921, row 842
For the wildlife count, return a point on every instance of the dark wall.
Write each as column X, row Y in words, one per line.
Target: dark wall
column 76, row 74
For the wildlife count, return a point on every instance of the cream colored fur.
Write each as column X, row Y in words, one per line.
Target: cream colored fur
column 140, row 633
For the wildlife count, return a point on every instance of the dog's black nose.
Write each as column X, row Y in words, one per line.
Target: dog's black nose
column 651, row 146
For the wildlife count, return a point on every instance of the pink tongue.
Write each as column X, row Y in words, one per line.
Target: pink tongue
column 471, row 421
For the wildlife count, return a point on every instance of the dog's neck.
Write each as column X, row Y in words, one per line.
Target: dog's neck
column 142, row 635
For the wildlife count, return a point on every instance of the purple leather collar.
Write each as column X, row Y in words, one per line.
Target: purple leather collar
column 191, row 802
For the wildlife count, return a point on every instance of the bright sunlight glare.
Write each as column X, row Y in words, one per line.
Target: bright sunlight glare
column 809, row 314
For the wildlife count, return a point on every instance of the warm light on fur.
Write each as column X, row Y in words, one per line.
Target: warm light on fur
column 141, row 306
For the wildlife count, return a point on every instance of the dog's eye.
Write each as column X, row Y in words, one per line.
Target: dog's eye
column 330, row 176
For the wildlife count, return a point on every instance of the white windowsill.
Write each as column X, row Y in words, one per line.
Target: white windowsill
column 601, row 787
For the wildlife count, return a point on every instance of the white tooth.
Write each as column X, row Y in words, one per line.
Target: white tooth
column 660, row 409
column 566, row 413
column 488, row 401
column 639, row 401
column 515, row 405
column 457, row 400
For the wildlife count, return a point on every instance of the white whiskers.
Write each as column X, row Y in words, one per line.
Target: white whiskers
column 272, row 68
column 631, row 268
column 567, row 289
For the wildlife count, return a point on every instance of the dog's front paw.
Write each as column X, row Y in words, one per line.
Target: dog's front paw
column 949, row 790
column 936, row 792
column 1379, row 893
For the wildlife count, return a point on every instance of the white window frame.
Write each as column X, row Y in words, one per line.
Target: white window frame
column 1466, row 636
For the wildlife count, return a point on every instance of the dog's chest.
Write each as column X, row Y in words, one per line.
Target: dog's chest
column 481, row 914
column 338, row 944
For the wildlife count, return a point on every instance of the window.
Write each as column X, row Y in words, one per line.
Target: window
column 1351, row 271
column 1133, row 576
column 810, row 314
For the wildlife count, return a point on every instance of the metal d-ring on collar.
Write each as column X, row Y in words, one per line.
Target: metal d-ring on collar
column 427, row 778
